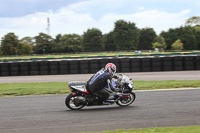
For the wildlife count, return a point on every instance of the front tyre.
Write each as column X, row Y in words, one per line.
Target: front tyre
column 126, row 100
column 71, row 104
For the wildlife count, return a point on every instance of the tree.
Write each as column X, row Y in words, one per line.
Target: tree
column 188, row 38
column 177, row 45
column 71, row 43
column 146, row 38
column 188, row 35
column 159, row 43
column 27, row 44
column 125, row 35
column 197, row 34
column 108, row 42
column 195, row 20
column 57, row 44
column 0, row 51
column 92, row 40
column 10, row 44
column 171, row 36
column 44, row 44
column 28, row 40
column 26, row 48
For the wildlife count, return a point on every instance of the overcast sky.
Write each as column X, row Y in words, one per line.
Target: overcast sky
column 29, row 17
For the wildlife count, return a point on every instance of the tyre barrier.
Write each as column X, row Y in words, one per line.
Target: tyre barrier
column 85, row 66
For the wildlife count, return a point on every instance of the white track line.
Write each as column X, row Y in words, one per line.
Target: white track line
column 178, row 89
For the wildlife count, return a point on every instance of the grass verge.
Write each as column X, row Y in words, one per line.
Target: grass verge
column 21, row 89
column 94, row 54
column 188, row 129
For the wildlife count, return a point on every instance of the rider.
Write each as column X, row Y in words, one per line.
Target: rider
column 98, row 82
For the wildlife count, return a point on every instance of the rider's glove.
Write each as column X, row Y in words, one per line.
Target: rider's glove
column 115, row 76
column 118, row 90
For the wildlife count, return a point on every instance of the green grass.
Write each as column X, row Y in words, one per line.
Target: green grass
column 144, row 85
column 188, row 129
column 69, row 55
column 95, row 54
column 21, row 89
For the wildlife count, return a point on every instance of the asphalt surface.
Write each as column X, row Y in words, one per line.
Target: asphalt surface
column 48, row 114
column 169, row 75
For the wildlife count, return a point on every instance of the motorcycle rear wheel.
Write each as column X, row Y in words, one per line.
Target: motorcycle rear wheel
column 71, row 105
column 127, row 100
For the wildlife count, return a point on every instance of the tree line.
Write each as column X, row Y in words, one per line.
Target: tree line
column 124, row 36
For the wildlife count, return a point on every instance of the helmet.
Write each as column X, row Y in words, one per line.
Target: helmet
column 111, row 68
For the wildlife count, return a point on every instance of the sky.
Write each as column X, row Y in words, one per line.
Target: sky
column 29, row 17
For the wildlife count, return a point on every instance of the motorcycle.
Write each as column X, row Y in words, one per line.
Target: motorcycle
column 80, row 97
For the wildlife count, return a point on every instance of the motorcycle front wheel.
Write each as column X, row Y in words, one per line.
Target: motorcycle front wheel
column 126, row 100
column 71, row 104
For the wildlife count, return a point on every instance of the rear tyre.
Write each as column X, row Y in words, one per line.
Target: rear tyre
column 126, row 100
column 69, row 102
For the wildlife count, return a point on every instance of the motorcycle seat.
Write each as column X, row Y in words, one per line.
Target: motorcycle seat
column 77, row 83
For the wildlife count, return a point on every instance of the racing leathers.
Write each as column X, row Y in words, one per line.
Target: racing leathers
column 98, row 82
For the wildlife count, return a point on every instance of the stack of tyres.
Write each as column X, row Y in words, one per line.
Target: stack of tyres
column 84, row 66
column 103, row 62
column 53, row 67
column 64, row 67
column 188, row 62
column 178, row 63
column 4, row 69
column 94, row 65
column 125, row 64
column 14, row 69
column 135, row 65
column 34, row 68
column 156, row 63
column 116, row 61
column 167, row 63
column 197, row 63
column 74, row 67
column 24, row 68
column 0, row 68
column 146, row 64
column 44, row 67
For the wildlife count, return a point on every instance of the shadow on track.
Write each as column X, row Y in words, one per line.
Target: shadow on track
column 100, row 108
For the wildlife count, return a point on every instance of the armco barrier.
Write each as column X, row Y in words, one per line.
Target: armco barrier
column 80, row 66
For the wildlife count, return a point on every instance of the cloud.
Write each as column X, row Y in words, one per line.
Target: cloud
column 78, row 17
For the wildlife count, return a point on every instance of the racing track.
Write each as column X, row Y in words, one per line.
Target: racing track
column 48, row 114
column 170, row 75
